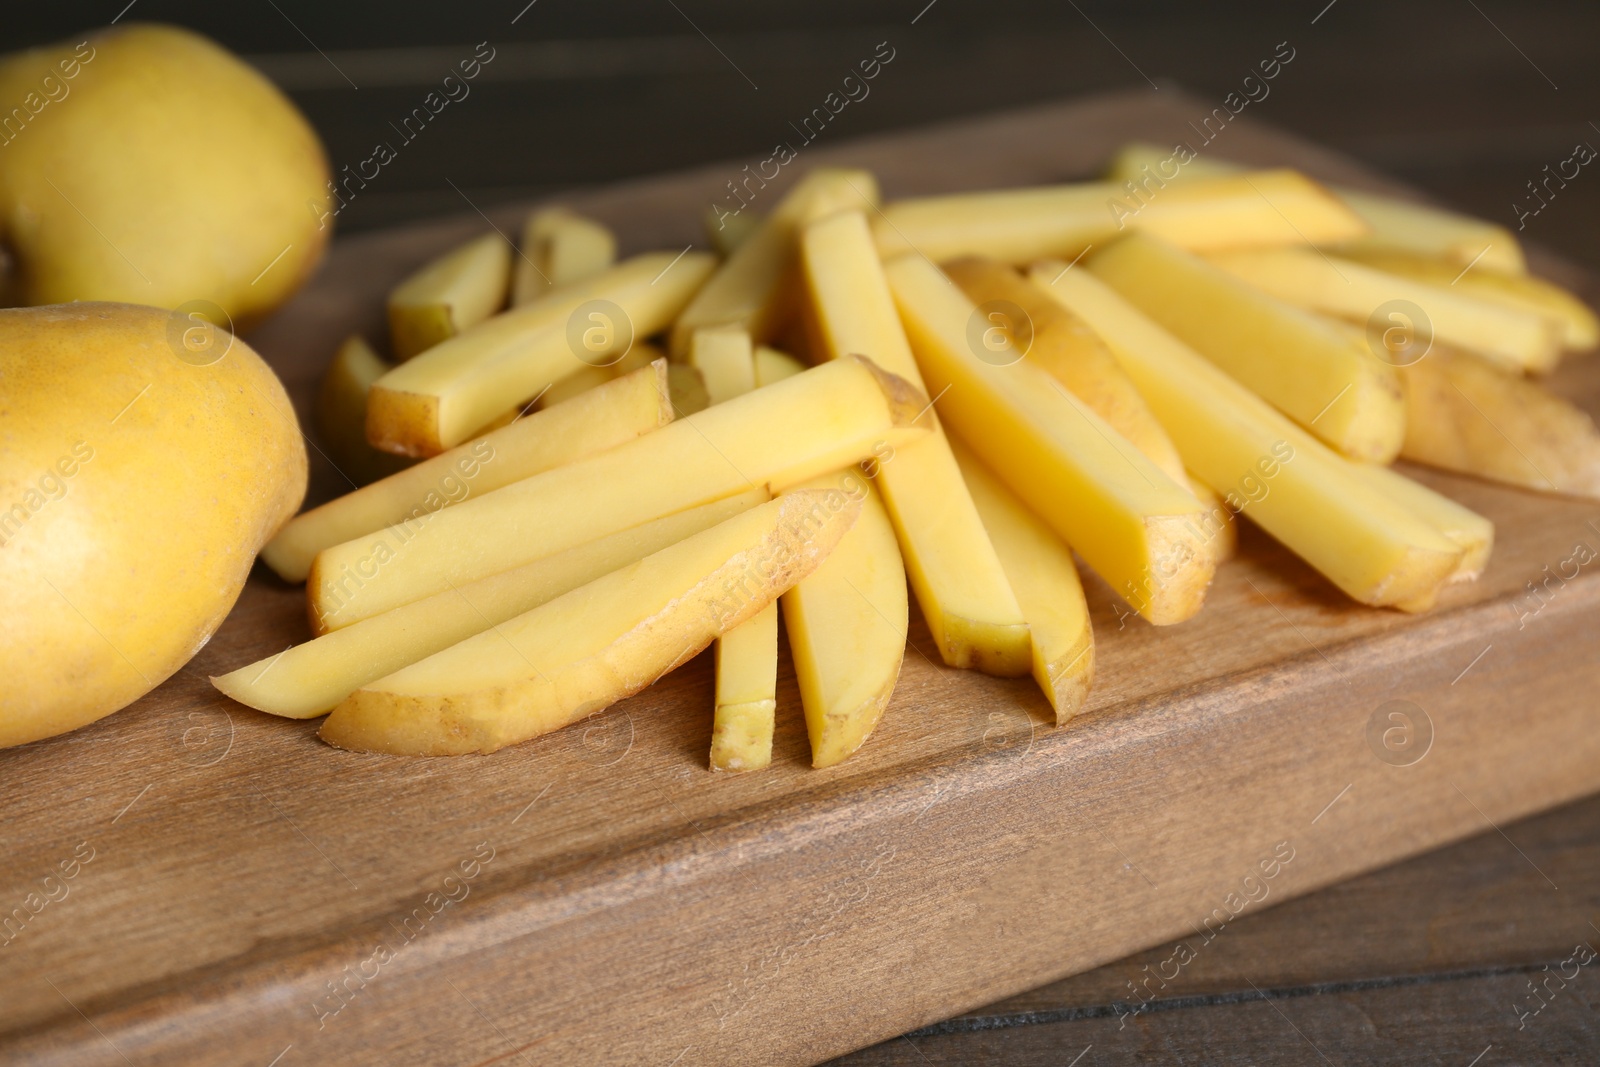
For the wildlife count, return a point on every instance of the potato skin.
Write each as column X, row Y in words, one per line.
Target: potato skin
column 136, row 486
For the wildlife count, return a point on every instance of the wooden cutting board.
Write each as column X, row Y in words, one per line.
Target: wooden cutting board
column 253, row 896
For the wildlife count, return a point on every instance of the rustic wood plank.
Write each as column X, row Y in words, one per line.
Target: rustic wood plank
column 637, row 904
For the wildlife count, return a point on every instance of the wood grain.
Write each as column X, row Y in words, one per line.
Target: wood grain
column 626, row 906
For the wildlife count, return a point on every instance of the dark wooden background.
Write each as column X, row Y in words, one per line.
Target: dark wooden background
column 1466, row 99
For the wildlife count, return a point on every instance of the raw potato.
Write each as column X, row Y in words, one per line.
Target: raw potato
column 585, row 378
column 1348, row 290
column 583, row 651
column 559, row 247
column 1293, row 486
column 309, row 679
column 449, row 295
column 1580, row 330
column 600, row 419
column 747, row 693
column 755, row 286
column 1312, row 371
column 1464, row 527
column 725, row 360
column 774, row 366
column 1395, row 225
column 687, row 390
column 821, row 420
column 727, row 230
column 1465, row 414
column 847, row 627
column 1041, row 570
column 342, row 414
column 446, row 395
column 1140, row 530
column 136, row 488
column 959, row 583
column 1265, row 209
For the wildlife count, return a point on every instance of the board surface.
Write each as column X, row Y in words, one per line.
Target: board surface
column 253, row 893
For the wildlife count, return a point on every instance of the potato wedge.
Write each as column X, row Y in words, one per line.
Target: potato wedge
column 1294, row 487
column 600, row 419
column 1394, row 225
column 445, row 396
column 1580, row 331
column 1306, row 278
column 1314, row 372
column 747, row 693
column 309, row 679
column 449, row 295
column 583, row 651
column 1040, row 567
column 959, row 583
column 342, row 414
column 727, row 230
column 1465, row 414
column 725, row 360
column 754, row 287
column 774, row 366
column 1264, row 209
column 1135, row 526
column 821, row 420
column 847, row 627
column 1473, row 533
column 559, row 247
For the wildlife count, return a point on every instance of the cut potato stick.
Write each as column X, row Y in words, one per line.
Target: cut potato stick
column 959, row 583
column 1311, row 370
column 754, row 287
column 1293, row 486
column 1040, row 567
column 1395, row 225
column 687, row 390
column 342, row 413
column 774, row 366
column 1580, row 330
column 747, row 693
column 1262, row 209
column 1356, row 293
column 1220, row 527
column 826, row 418
column 1137, row 528
column 559, row 248
column 446, row 395
column 727, row 230
column 589, row 648
column 600, row 419
column 725, row 360
column 846, row 624
column 1465, row 414
column 1473, row 533
column 586, row 377
column 452, row 294
column 309, row 679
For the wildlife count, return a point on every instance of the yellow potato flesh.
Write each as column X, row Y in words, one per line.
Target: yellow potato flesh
column 1580, row 330
column 600, row 419
column 754, row 287
column 1312, row 371
column 1394, row 225
column 342, row 414
column 559, row 248
column 1042, row 572
column 309, row 679
column 453, row 293
column 826, row 418
column 846, row 624
column 1265, row 209
column 747, row 693
column 1266, row 467
column 1355, row 292
column 447, row 394
column 1465, row 414
column 958, row 580
column 723, row 356
column 586, row 378
column 774, row 366
column 727, row 230
column 1137, row 528
column 582, row 651
column 1462, row 526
